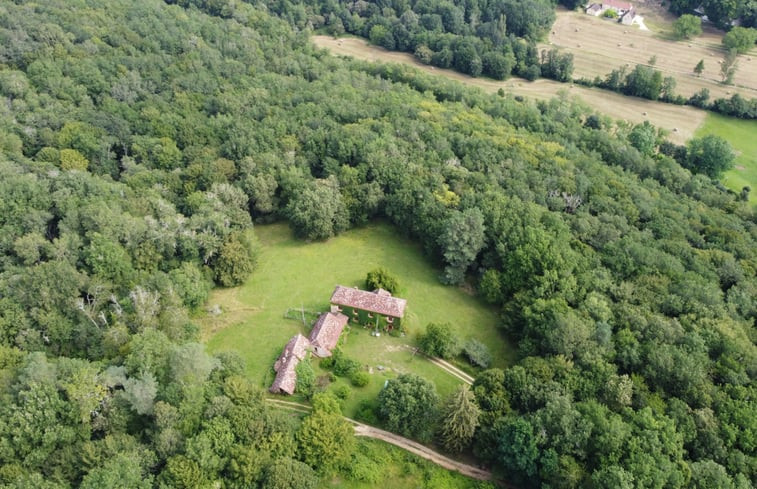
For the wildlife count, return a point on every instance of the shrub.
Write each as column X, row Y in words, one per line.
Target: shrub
column 380, row 278
column 343, row 392
column 477, row 353
column 305, row 378
column 343, row 366
column 440, row 341
column 360, row 378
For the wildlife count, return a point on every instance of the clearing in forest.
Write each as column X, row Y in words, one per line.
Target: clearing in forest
column 680, row 121
column 741, row 134
column 292, row 274
column 600, row 46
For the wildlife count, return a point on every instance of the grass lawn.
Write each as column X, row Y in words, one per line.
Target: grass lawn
column 294, row 274
column 742, row 134
column 384, row 465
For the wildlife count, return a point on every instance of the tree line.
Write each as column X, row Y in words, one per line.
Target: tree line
column 495, row 39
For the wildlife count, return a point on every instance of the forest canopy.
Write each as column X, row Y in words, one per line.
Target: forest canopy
column 140, row 140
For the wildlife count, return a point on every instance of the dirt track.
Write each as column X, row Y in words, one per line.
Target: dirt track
column 404, row 443
column 680, row 121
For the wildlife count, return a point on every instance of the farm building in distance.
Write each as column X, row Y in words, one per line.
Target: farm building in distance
column 625, row 10
column 285, row 367
column 377, row 308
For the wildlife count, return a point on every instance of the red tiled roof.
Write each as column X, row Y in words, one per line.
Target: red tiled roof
column 369, row 301
column 326, row 330
column 286, row 376
column 617, row 4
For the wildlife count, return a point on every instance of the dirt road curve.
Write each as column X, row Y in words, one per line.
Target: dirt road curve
column 421, row 451
column 447, row 367
column 409, row 445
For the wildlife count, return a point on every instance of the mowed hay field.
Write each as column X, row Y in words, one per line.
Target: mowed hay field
column 680, row 121
column 743, row 137
column 293, row 274
column 600, row 46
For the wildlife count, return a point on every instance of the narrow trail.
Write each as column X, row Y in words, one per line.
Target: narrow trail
column 399, row 441
column 446, row 366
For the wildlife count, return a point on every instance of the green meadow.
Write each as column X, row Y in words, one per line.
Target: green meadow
column 293, row 274
column 742, row 134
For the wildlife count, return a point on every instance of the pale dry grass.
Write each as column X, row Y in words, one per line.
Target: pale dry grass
column 600, row 46
column 680, row 121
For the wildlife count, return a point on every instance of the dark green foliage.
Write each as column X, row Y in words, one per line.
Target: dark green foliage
column 342, row 365
column 461, row 241
column 687, row 26
column 305, row 378
column 557, row 66
column 644, row 138
column 626, row 282
column 439, row 340
column 286, row 473
column 326, row 439
column 236, row 260
column 711, row 155
column 380, row 278
column 360, row 378
column 408, row 406
column 459, row 419
column 477, row 353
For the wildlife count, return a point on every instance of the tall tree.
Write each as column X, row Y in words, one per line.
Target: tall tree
column 408, row 406
column 326, row 439
column 461, row 241
column 459, row 419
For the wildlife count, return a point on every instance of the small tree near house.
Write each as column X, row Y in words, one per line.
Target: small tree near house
column 380, row 278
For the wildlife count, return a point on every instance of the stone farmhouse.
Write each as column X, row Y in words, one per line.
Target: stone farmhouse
column 377, row 309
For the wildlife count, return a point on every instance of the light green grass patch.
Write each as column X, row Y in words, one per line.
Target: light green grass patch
column 294, row 274
column 742, row 134
column 379, row 464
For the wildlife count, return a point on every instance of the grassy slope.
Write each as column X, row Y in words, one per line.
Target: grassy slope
column 742, row 135
column 398, row 469
column 293, row 273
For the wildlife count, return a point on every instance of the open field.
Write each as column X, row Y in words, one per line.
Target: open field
column 616, row 106
column 743, row 137
column 294, row 274
column 600, row 46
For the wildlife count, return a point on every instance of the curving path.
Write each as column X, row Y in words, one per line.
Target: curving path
column 446, row 366
column 404, row 443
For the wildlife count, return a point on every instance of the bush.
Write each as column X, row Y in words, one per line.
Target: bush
column 343, row 366
column 305, row 378
column 380, row 278
column 360, row 378
column 440, row 341
column 343, row 392
column 477, row 353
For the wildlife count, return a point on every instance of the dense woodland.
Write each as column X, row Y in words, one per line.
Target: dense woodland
column 495, row 39
column 139, row 142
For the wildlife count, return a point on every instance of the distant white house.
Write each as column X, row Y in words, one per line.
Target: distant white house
column 625, row 10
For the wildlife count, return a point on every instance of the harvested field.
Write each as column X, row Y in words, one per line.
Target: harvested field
column 600, row 46
column 667, row 116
